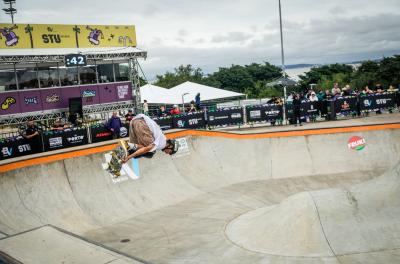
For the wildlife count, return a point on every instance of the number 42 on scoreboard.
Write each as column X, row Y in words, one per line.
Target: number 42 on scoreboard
column 74, row 60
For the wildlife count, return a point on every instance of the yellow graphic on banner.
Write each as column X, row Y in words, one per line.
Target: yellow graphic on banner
column 25, row 36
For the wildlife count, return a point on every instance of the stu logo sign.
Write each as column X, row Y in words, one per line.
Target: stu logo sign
column 51, row 38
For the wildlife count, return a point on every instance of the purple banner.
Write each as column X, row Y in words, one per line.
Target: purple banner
column 9, row 103
column 30, row 101
column 69, row 92
column 34, row 100
column 108, row 93
column 51, row 98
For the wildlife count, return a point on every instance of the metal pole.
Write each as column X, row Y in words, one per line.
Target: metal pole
column 183, row 103
column 79, row 77
column 16, row 77
column 37, row 75
column 283, row 61
column 97, row 73
column 113, row 68
column 282, row 51
column 58, row 74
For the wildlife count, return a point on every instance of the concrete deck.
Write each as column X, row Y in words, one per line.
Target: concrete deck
column 50, row 245
column 230, row 199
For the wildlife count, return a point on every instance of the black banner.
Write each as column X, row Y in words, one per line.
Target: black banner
column 189, row 121
column 344, row 105
column 69, row 137
column 165, row 123
column 19, row 146
column 226, row 116
column 307, row 109
column 375, row 102
column 264, row 113
column 99, row 133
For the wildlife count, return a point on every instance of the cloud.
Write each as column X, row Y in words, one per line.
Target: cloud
column 210, row 33
column 315, row 41
column 231, row 37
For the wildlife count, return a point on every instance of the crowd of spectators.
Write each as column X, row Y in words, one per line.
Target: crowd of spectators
column 114, row 123
column 337, row 92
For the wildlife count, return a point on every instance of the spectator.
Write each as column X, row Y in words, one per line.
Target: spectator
column 272, row 100
column 308, row 95
column 114, row 125
column 366, row 91
column 175, row 110
column 392, row 89
column 162, row 112
column 297, row 109
column 31, row 130
column 289, row 97
column 32, row 135
column 379, row 87
column 58, row 125
column 328, row 95
column 346, row 91
column 313, row 97
column 198, row 102
column 129, row 116
column 73, row 119
column 336, row 90
column 279, row 101
column 145, row 108
column 192, row 107
column 321, row 95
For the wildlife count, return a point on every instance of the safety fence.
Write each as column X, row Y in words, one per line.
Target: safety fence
column 18, row 145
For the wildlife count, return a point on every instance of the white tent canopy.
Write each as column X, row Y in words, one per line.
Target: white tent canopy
column 154, row 94
column 158, row 95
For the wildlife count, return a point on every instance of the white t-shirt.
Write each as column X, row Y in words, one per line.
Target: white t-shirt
column 159, row 138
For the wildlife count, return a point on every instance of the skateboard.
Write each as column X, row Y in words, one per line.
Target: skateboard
column 114, row 165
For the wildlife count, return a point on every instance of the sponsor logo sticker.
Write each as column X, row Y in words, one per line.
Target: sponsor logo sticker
column 88, row 93
column 52, row 98
column 7, row 152
column 75, row 139
column 122, row 91
column 236, row 115
column 55, row 142
column 356, row 143
column 255, row 114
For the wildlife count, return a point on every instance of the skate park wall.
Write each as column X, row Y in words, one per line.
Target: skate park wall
column 77, row 195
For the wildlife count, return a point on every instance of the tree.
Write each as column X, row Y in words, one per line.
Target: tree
column 326, row 75
column 29, row 29
column 389, row 71
column 266, row 72
column 236, row 78
column 180, row 75
column 77, row 31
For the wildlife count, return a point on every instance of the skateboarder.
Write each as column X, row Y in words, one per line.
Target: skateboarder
column 145, row 137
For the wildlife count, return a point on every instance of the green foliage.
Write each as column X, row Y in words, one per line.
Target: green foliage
column 386, row 72
column 247, row 79
column 325, row 76
column 261, row 90
column 253, row 79
column 180, row 75
column 235, row 78
column 142, row 81
column 389, row 71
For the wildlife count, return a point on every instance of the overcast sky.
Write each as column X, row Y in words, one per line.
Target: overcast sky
column 213, row 33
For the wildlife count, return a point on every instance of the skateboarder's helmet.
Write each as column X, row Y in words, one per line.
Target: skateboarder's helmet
column 173, row 145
